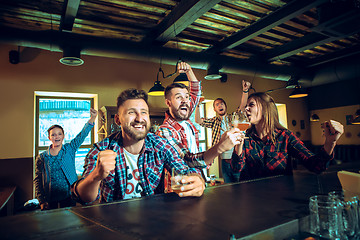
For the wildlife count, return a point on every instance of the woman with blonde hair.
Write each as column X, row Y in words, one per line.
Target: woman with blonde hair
column 269, row 147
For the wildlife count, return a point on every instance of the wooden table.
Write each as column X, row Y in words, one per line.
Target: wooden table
column 261, row 209
column 7, row 199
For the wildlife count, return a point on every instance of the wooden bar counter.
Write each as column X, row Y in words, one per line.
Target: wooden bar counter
column 268, row 208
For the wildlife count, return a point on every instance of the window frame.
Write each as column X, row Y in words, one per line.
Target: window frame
column 37, row 112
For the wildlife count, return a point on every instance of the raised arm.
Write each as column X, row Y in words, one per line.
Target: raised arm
column 195, row 87
column 245, row 95
column 332, row 131
column 227, row 141
column 93, row 114
column 80, row 137
column 184, row 67
column 198, row 119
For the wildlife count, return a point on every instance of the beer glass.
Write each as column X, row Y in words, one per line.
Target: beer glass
column 176, row 183
column 325, row 217
column 240, row 121
column 349, row 213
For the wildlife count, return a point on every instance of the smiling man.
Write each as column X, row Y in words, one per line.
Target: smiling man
column 130, row 163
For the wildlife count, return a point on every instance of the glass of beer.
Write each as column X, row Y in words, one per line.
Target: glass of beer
column 240, row 121
column 176, row 183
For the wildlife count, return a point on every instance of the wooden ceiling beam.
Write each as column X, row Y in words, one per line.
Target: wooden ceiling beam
column 287, row 12
column 68, row 17
column 183, row 15
column 347, row 52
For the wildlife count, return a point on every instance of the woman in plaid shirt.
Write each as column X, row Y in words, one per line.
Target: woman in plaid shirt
column 269, row 146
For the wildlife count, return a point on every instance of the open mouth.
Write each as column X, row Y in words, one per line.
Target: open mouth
column 184, row 109
column 139, row 126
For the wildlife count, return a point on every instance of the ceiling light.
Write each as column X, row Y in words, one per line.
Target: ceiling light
column 357, row 118
column 293, row 82
column 213, row 73
column 314, row 118
column 182, row 78
column 71, row 56
column 157, row 89
column 298, row 93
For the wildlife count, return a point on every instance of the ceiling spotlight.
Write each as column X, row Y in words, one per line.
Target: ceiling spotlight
column 71, row 56
column 213, row 73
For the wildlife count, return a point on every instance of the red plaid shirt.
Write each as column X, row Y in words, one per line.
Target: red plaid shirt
column 263, row 158
column 175, row 133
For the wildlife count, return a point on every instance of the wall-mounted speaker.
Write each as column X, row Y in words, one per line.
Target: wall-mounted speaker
column 223, row 78
column 14, row 57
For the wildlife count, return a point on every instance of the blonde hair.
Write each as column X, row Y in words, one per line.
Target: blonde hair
column 269, row 113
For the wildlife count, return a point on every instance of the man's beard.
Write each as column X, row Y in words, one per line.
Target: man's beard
column 134, row 134
column 222, row 113
column 177, row 112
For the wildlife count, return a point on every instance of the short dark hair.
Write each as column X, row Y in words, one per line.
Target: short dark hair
column 54, row 126
column 131, row 93
column 174, row 85
column 219, row 99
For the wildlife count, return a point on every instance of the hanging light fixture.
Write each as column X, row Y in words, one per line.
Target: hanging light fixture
column 290, row 84
column 157, row 89
column 357, row 118
column 298, row 93
column 71, row 56
column 213, row 73
column 314, row 118
column 182, row 78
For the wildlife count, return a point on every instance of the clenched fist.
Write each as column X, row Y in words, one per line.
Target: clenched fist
column 105, row 163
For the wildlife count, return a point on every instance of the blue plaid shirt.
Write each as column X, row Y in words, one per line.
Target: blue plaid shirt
column 156, row 155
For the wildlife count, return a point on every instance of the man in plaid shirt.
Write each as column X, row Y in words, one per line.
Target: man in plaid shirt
column 180, row 131
column 221, row 123
column 130, row 163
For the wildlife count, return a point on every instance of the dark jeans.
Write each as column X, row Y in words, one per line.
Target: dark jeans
column 228, row 174
column 68, row 202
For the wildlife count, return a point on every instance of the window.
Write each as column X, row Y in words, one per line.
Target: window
column 71, row 113
column 202, row 130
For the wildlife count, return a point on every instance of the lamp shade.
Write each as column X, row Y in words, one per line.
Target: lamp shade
column 314, row 118
column 298, row 93
column 157, row 89
column 182, row 78
column 357, row 118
